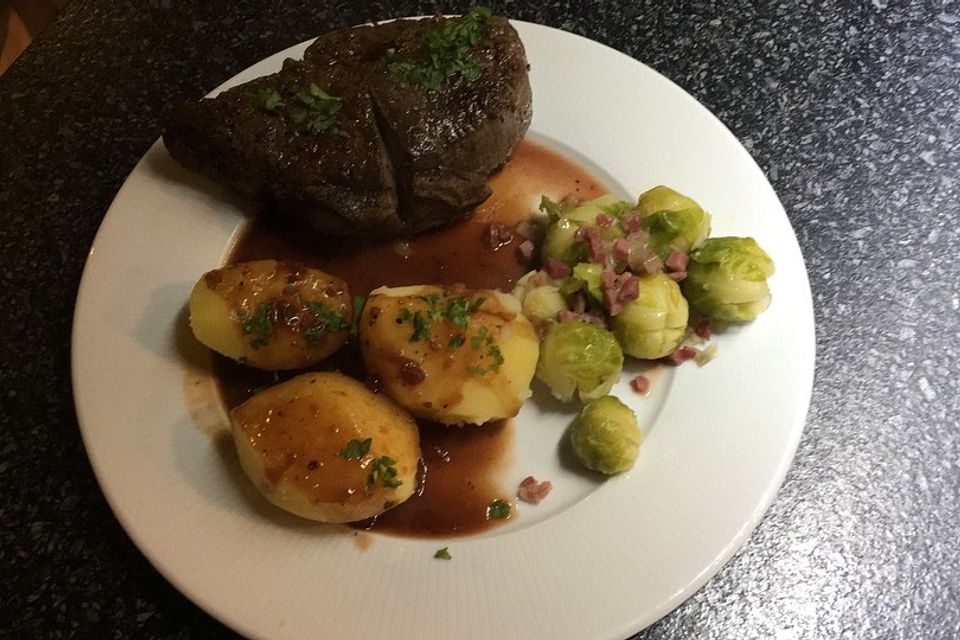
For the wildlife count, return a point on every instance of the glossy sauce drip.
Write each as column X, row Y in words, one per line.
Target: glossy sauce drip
column 460, row 465
column 458, row 481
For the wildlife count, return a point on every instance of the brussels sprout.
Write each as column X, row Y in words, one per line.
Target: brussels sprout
column 674, row 221
column 578, row 357
column 653, row 325
column 662, row 198
column 727, row 279
column 560, row 241
column 542, row 304
column 588, row 276
column 605, row 436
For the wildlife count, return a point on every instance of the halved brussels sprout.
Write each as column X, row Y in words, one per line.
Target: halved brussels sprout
column 653, row 325
column 579, row 357
column 727, row 279
column 605, row 437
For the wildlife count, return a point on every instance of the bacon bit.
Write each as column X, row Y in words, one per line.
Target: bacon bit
column 621, row 249
column 556, row 268
column 640, row 384
column 604, row 221
column 498, row 235
column 681, row 355
column 532, row 491
column 565, row 315
column 632, row 222
column 677, row 261
column 703, row 329
column 629, row 287
column 677, row 276
column 526, row 249
column 595, row 245
column 618, row 289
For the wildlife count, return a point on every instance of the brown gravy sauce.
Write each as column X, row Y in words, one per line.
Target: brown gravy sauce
column 459, row 471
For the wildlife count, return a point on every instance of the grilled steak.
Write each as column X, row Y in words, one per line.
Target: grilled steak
column 411, row 141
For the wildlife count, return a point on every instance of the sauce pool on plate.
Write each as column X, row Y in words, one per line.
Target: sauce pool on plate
column 459, row 474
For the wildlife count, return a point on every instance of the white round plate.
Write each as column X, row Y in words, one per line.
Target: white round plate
column 594, row 560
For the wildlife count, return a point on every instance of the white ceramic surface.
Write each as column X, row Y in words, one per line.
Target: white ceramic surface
column 595, row 560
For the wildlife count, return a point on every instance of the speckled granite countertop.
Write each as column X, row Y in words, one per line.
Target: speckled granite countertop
column 852, row 109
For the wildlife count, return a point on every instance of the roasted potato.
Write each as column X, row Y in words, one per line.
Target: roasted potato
column 271, row 315
column 323, row 446
column 449, row 354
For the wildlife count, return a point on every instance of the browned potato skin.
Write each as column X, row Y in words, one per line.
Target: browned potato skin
column 289, row 438
column 223, row 297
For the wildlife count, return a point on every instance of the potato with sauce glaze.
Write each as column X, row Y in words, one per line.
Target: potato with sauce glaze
column 449, row 354
column 324, row 447
column 271, row 315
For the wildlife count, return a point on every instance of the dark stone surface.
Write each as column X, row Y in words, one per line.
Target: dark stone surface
column 852, row 110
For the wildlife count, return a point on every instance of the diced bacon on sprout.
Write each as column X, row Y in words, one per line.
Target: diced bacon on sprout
column 677, row 261
column 556, row 268
column 618, row 289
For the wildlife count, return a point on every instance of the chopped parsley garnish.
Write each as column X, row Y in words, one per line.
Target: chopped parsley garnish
column 268, row 99
column 498, row 509
column 493, row 352
column 356, row 449
column 456, row 342
column 483, row 334
column 460, row 309
column 316, row 109
column 325, row 320
column 359, row 302
column 483, row 338
column 259, row 324
column 382, row 470
column 421, row 330
column 445, row 53
column 457, row 310
column 443, row 554
column 433, row 305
